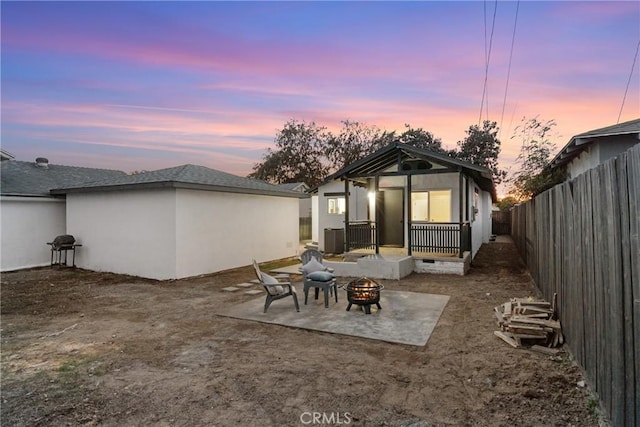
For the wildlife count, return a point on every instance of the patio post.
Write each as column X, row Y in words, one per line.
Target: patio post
column 347, row 240
column 409, row 241
column 377, row 204
column 460, row 217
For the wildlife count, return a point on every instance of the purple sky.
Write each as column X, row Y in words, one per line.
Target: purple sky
column 135, row 86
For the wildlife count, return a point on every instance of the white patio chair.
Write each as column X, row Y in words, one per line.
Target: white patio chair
column 276, row 287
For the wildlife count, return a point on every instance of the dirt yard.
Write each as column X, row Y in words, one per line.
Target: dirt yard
column 85, row 348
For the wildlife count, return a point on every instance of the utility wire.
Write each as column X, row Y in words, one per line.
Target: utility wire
column 506, row 87
column 487, row 60
column 635, row 58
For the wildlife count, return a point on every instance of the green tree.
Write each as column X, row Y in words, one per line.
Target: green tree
column 482, row 147
column 533, row 175
column 421, row 138
column 355, row 141
column 507, row 203
column 298, row 156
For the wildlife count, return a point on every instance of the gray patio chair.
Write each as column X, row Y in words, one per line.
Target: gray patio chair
column 318, row 276
column 277, row 287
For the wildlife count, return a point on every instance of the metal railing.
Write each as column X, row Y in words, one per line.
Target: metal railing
column 432, row 237
column 441, row 237
column 362, row 235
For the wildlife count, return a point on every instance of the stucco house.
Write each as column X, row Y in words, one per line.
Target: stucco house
column 432, row 210
column 166, row 224
column 590, row 149
column 30, row 215
column 180, row 222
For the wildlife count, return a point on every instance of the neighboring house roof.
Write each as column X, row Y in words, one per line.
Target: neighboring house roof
column 295, row 186
column 397, row 153
column 581, row 142
column 36, row 179
column 5, row 155
column 185, row 176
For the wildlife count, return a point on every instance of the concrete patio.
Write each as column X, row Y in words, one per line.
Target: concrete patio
column 405, row 318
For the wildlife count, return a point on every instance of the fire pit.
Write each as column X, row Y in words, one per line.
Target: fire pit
column 364, row 292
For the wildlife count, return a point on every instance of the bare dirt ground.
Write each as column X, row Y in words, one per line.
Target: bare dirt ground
column 86, row 348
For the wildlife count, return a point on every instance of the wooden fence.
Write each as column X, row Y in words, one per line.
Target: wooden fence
column 501, row 222
column 305, row 228
column 581, row 240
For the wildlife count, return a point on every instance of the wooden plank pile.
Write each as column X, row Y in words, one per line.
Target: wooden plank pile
column 529, row 321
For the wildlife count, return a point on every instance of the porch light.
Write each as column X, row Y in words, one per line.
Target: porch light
column 372, row 197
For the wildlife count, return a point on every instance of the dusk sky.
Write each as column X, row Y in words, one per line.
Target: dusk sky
column 148, row 85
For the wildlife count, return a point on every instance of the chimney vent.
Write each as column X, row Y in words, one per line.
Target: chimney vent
column 42, row 162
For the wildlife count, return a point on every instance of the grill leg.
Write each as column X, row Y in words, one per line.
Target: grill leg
column 349, row 307
column 367, row 308
column 378, row 305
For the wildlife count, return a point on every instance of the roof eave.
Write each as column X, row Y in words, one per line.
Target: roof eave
column 176, row 185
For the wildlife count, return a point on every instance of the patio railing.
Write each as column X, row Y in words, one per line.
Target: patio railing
column 362, row 235
column 431, row 237
column 442, row 237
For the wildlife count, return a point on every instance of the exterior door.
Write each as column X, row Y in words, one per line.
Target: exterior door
column 391, row 217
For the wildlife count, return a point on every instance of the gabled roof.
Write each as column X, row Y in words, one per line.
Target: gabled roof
column 5, row 155
column 185, row 176
column 29, row 179
column 295, row 186
column 398, row 154
column 581, row 142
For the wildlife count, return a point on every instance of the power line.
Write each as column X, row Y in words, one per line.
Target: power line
column 635, row 58
column 506, row 87
column 487, row 59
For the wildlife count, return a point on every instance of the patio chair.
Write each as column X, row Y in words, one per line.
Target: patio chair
column 318, row 276
column 277, row 287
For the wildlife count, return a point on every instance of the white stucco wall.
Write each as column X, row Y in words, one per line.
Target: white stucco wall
column 27, row 224
column 218, row 231
column 358, row 209
column 599, row 152
column 315, row 226
column 127, row 232
column 588, row 159
column 177, row 233
column 481, row 225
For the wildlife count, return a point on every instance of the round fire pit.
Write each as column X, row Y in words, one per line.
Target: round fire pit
column 364, row 292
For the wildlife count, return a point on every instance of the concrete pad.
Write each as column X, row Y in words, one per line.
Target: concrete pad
column 230, row 289
column 405, row 317
column 244, row 285
column 253, row 292
column 290, row 269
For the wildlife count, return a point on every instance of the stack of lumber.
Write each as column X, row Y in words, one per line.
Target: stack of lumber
column 529, row 321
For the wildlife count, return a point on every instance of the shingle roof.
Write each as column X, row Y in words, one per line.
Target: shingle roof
column 581, row 142
column 185, row 176
column 295, row 186
column 27, row 179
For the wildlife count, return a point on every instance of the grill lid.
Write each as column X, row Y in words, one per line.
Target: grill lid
column 62, row 241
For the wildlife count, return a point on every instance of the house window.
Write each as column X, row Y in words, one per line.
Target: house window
column 336, row 206
column 431, row 206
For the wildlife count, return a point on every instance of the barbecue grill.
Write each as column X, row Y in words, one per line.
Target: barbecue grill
column 63, row 243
